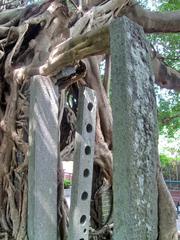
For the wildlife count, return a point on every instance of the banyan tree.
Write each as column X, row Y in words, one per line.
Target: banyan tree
column 66, row 42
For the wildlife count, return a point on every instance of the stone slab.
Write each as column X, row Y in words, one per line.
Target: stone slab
column 135, row 134
column 43, row 160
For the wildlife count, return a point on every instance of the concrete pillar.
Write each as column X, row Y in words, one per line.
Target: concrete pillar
column 43, row 159
column 83, row 166
column 134, row 134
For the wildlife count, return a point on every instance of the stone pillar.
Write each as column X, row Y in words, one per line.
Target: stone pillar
column 83, row 166
column 43, row 159
column 134, row 134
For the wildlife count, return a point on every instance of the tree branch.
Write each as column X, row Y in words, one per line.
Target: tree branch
column 97, row 42
column 168, row 120
column 153, row 22
column 107, row 74
column 165, row 76
column 74, row 49
column 91, row 37
column 8, row 15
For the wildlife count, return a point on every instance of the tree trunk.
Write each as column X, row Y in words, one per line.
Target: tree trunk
column 167, row 211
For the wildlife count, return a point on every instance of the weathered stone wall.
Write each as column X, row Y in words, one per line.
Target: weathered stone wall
column 134, row 134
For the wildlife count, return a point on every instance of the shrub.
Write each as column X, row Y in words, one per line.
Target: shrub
column 67, row 183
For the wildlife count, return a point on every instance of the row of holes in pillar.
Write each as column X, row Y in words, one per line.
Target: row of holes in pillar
column 86, row 172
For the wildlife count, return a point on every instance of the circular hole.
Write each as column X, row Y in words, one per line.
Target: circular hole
column 81, row 239
column 90, row 106
column 84, row 196
column 85, row 230
column 83, row 219
column 87, row 150
column 89, row 128
column 86, row 172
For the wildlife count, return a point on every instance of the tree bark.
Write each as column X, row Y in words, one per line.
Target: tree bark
column 167, row 212
column 165, row 76
column 94, row 43
column 154, row 22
